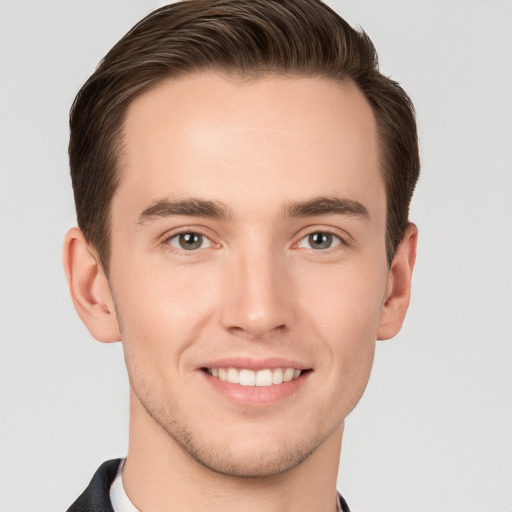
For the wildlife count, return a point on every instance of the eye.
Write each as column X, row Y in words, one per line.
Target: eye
column 320, row 240
column 189, row 241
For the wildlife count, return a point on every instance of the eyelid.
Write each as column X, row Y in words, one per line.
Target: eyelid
column 203, row 239
column 341, row 235
column 311, row 230
column 198, row 230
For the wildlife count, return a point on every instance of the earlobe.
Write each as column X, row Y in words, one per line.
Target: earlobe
column 398, row 292
column 89, row 288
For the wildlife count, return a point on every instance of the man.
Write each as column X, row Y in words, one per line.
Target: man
column 242, row 176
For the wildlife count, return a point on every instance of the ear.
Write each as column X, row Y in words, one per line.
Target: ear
column 398, row 293
column 89, row 288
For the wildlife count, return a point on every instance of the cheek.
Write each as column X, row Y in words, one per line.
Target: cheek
column 161, row 308
column 346, row 302
column 345, row 315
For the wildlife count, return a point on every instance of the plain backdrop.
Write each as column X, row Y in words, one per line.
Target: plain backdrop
column 434, row 429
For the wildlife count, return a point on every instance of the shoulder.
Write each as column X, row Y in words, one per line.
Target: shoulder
column 96, row 497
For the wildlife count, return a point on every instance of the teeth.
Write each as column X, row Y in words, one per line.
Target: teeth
column 264, row 378
column 233, row 375
column 247, row 378
column 244, row 377
column 277, row 376
column 288, row 374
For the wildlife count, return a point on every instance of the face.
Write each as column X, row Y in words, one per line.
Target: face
column 248, row 265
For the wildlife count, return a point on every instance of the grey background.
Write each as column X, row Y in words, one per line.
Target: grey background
column 434, row 430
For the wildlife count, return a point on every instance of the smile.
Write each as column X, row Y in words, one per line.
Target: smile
column 245, row 377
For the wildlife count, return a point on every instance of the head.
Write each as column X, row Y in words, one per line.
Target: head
column 247, row 39
column 242, row 175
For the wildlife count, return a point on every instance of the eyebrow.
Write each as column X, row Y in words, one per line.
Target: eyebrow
column 218, row 210
column 326, row 206
column 190, row 207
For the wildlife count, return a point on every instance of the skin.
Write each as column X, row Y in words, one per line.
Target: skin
column 256, row 287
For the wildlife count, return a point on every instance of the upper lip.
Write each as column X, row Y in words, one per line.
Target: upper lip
column 252, row 363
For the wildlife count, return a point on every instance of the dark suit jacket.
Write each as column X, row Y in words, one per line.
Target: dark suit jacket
column 96, row 497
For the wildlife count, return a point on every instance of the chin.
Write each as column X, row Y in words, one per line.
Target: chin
column 257, row 461
column 248, row 454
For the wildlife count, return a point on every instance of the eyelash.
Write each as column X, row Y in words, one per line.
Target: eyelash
column 341, row 242
column 188, row 252
column 295, row 245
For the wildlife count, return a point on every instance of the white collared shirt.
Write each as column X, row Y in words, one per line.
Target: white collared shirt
column 118, row 496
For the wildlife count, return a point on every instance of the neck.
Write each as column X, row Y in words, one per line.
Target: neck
column 159, row 475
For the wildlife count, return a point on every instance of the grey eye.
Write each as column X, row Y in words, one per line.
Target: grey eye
column 320, row 241
column 189, row 241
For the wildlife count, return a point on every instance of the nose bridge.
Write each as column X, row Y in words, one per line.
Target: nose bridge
column 257, row 301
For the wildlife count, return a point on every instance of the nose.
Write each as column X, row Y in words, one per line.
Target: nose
column 257, row 295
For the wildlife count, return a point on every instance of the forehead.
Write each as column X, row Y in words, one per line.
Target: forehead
column 265, row 141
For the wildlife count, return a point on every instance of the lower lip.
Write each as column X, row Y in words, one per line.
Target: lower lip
column 257, row 395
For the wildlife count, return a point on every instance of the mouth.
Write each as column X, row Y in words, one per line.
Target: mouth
column 256, row 382
column 266, row 377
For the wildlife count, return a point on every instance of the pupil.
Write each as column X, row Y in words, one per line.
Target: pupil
column 191, row 241
column 320, row 240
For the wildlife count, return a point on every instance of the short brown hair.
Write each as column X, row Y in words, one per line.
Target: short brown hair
column 250, row 38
